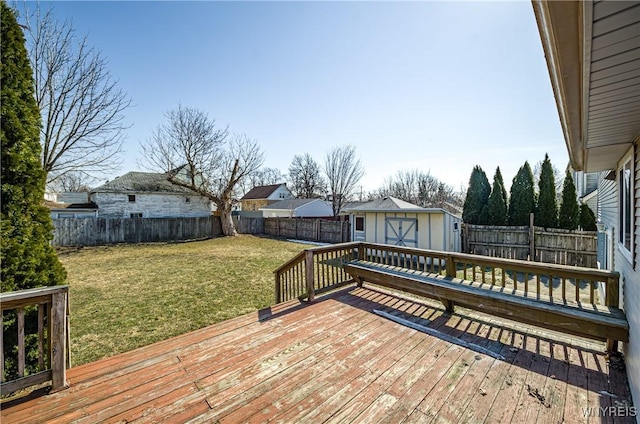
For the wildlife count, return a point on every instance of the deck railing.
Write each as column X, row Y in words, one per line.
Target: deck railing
column 320, row 269
column 314, row 271
column 49, row 307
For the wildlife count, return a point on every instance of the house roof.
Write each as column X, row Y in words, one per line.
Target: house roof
column 76, row 206
column 261, row 192
column 141, row 182
column 290, row 204
column 592, row 55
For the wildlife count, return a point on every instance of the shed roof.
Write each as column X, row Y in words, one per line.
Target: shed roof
column 261, row 192
column 392, row 204
column 141, row 182
column 385, row 204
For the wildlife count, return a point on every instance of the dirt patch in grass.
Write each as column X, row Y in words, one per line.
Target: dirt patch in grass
column 126, row 296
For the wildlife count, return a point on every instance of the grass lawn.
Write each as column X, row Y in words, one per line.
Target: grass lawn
column 126, row 296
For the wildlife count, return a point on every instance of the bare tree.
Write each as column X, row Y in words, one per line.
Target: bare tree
column 197, row 155
column 74, row 182
column 305, row 179
column 344, row 171
column 419, row 188
column 80, row 103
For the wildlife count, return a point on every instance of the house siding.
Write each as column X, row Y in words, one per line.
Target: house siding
column 254, row 205
column 630, row 274
column 280, row 193
column 608, row 192
column 159, row 205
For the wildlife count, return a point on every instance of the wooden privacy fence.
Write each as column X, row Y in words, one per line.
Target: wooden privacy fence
column 101, row 231
column 43, row 313
column 320, row 230
column 563, row 247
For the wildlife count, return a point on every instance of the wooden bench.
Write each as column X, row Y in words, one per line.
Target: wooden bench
column 581, row 319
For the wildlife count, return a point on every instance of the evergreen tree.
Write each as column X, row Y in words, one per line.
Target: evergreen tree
column 547, row 211
column 475, row 209
column 587, row 218
column 522, row 201
column 568, row 216
column 25, row 225
column 497, row 206
column 498, row 175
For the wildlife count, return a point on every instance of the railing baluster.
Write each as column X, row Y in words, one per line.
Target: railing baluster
column 538, row 285
column 550, row 286
column 493, row 276
column 577, row 282
column 41, row 337
column 591, row 291
column 21, row 356
column 504, row 277
column 2, row 347
column 564, row 289
column 526, row 283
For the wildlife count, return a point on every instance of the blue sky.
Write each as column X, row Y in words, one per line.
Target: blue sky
column 438, row 86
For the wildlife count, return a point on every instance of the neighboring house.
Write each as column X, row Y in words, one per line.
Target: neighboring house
column 593, row 57
column 587, row 188
column 394, row 221
column 72, row 210
column 147, row 195
column 68, row 197
column 297, row 208
column 261, row 196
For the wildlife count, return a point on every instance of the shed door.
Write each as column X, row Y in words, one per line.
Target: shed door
column 401, row 231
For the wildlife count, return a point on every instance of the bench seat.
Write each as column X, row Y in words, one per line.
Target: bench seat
column 580, row 319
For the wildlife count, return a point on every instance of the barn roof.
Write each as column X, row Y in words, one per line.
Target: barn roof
column 141, row 182
column 261, row 192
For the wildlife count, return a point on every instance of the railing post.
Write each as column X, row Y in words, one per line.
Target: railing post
column 612, row 300
column 308, row 260
column 451, row 267
column 58, row 341
column 276, row 275
column 361, row 252
column 532, row 238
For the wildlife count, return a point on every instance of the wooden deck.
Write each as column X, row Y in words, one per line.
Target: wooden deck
column 337, row 361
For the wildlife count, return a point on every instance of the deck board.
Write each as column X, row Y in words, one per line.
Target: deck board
column 336, row 361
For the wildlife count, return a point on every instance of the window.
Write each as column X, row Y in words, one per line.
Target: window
column 135, row 215
column 187, row 199
column 359, row 223
column 626, row 206
column 132, row 197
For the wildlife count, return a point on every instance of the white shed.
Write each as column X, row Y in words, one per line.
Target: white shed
column 297, row 208
column 396, row 222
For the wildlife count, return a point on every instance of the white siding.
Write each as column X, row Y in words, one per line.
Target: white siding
column 630, row 274
column 151, row 205
column 629, row 270
column 280, row 193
